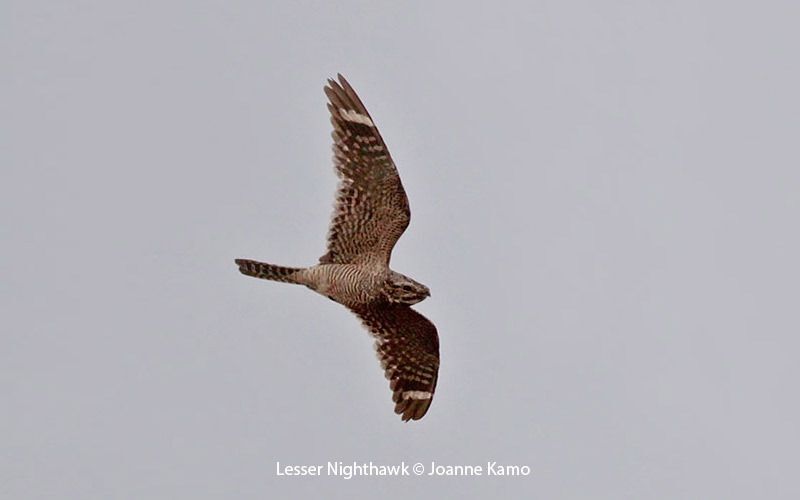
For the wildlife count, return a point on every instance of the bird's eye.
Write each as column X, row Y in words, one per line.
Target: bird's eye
column 406, row 288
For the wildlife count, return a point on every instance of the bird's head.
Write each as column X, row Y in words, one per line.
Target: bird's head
column 403, row 290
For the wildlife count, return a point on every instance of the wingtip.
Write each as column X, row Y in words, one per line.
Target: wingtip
column 412, row 410
column 338, row 83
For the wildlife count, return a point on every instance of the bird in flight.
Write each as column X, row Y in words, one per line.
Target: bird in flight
column 371, row 213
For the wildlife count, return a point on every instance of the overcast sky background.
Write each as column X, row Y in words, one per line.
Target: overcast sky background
column 605, row 207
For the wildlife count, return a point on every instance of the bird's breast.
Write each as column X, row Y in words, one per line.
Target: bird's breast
column 348, row 283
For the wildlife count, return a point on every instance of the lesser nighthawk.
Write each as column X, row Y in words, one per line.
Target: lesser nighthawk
column 370, row 214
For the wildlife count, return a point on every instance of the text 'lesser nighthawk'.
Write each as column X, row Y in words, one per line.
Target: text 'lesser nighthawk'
column 371, row 213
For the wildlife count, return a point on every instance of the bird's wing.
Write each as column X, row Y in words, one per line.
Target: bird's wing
column 371, row 210
column 408, row 348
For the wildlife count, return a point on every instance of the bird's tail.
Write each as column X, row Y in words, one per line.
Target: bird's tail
column 269, row 271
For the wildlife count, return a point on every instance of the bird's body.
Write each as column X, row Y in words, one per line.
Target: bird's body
column 347, row 284
column 371, row 214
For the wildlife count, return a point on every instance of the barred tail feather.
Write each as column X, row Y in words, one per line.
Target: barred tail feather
column 268, row 271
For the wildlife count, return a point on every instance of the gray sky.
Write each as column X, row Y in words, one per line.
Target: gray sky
column 605, row 207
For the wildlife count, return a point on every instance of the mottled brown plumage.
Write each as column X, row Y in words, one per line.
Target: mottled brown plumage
column 370, row 215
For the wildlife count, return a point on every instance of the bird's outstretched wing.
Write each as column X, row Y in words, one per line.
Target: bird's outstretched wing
column 408, row 348
column 371, row 210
